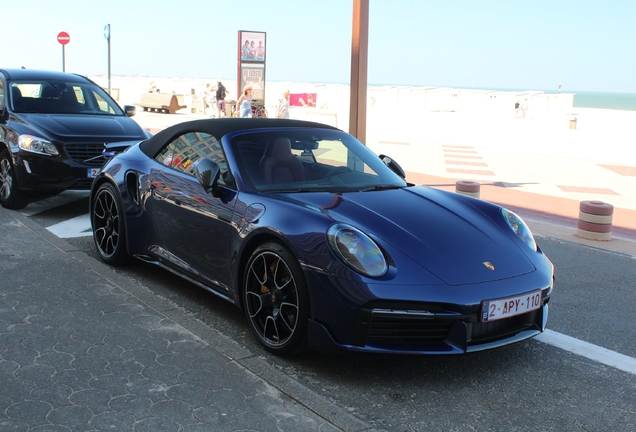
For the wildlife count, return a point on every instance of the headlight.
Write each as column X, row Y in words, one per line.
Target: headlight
column 520, row 228
column 37, row 145
column 357, row 250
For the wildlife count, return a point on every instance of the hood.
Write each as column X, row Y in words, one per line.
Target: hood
column 80, row 127
column 446, row 235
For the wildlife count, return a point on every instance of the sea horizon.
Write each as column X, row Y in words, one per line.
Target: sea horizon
column 582, row 99
column 592, row 99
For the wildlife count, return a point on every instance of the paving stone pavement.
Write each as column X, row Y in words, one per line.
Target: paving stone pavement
column 85, row 349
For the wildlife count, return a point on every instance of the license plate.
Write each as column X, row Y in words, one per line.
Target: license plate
column 492, row 310
column 92, row 172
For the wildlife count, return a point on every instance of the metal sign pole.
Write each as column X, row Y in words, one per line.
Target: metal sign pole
column 63, row 38
column 109, row 88
column 107, row 36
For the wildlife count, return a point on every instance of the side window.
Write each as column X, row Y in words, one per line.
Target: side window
column 165, row 156
column 185, row 151
column 1, row 91
column 79, row 94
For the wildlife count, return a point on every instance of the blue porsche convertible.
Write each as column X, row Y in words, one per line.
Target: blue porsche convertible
column 321, row 243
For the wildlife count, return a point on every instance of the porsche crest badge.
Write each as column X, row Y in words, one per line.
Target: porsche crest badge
column 489, row 266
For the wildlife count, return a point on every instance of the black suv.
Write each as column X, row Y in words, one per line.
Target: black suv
column 53, row 128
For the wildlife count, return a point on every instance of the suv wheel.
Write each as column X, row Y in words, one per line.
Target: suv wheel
column 10, row 196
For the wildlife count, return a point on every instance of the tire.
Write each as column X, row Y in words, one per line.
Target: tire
column 109, row 226
column 276, row 300
column 10, row 195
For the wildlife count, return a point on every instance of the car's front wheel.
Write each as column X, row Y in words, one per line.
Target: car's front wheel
column 108, row 221
column 275, row 298
column 10, row 196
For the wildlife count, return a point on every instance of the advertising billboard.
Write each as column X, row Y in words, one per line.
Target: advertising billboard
column 251, row 65
column 251, row 46
column 253, row 75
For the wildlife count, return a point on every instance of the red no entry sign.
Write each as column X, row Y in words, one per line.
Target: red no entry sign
column 63, row 38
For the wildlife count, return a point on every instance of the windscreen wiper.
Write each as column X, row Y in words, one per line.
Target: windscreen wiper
column 382, row 187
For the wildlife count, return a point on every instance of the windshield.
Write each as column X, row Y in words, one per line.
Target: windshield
column 309, row 160
column 59, row 97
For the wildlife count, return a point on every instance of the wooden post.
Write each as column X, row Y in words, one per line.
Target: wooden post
column 359, row 58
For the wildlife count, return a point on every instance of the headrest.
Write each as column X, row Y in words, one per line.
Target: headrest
column 50, row 92
column 16, row 93
column 279, row 150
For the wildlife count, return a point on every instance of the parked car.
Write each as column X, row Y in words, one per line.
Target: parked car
column 321, row 242
column 53, row 127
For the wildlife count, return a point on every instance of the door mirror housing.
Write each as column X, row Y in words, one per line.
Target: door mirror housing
column 207, row 172
column 393, row 166
column 130, row 110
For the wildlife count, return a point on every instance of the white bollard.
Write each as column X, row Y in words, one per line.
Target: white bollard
column 595, row 220
column 468, row 187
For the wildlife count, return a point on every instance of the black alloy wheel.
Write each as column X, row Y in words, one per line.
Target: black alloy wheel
column 276, row 301
column 108, row 223
column 10, row 196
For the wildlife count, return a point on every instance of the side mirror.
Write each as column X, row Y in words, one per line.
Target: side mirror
column 130, row 110
column 393, row 166
column 207, row 172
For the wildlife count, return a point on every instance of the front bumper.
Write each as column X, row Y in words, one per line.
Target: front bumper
column 358, row 317
column 74, row 169
column 402, row 334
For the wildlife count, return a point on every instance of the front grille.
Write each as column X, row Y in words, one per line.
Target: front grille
column 489, row 331
column 406, row 328
column 417, row 327
column 88, row 154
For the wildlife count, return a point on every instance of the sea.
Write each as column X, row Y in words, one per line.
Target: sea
column 606, row 100
column 603, row 100
column 585, row 99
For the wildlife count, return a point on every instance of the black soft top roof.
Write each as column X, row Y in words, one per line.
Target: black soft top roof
column 220, row 127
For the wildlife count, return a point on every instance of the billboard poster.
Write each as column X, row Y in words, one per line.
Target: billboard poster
column 251, row 46
column 253, row 75
column 303, row 99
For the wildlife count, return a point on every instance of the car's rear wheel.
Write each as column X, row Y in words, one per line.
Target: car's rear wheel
column 276, row 300
column 109, row 226
column 10, row 196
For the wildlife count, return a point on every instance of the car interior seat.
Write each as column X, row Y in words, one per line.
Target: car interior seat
column 68, row 100
column 16, row 97
column 50, row 93
column 279, row 164
column 68, row 97
column 50, row 101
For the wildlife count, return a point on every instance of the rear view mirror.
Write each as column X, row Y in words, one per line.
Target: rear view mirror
column 393, row 166
column 304, row 145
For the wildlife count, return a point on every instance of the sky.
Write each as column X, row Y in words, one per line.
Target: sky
column 494, row 44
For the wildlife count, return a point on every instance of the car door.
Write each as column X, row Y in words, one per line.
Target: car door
column 194, row 228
